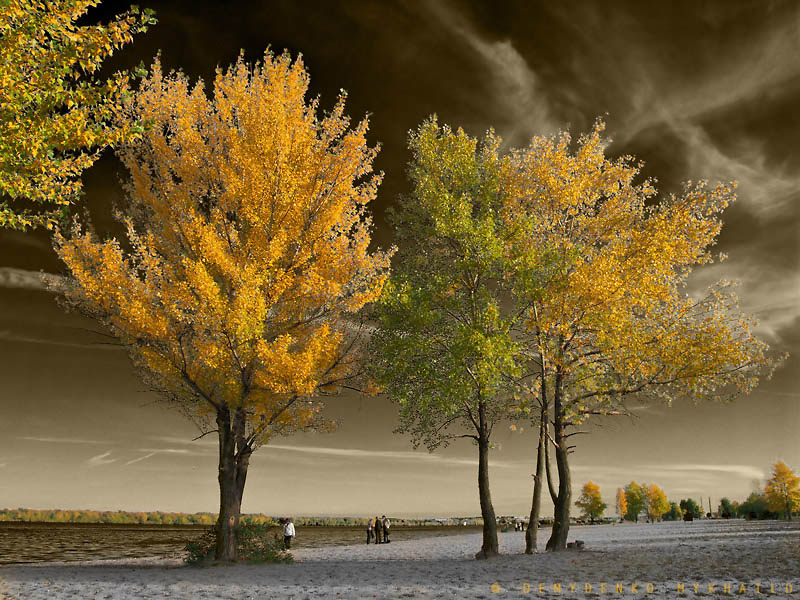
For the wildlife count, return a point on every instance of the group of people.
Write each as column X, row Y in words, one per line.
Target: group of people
column 378, row 528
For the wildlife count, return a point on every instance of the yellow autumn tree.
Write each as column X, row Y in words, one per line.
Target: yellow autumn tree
column 622, row 502
column 657, row 504
column 55, row 115
column 604, row 267
column 783, row 490
column 590, row 501
column 247, row 256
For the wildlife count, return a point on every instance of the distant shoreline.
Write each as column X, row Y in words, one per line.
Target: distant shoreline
column 121, row 517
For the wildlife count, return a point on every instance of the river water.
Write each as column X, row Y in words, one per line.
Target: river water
column 46, row 542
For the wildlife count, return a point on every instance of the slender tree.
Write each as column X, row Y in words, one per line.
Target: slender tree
column 55, row 115
column 610, row 317
column 590, row 501
column 622, row 503
column 248, row 237
column 783, row 490
column 443, row 349
column 538, row 483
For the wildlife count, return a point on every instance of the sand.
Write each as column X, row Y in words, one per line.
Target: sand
column 756, row 559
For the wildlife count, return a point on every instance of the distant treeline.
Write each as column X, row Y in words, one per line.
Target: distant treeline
column 175, row 518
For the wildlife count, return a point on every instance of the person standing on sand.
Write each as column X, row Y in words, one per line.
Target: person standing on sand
column 370, row 530
column 378, row 530
column 386, row 524
column 288, row 533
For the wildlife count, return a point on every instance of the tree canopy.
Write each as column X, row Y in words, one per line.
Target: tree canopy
column 657, row 503
column 783, row 490
column 621, row 503
column 690, row 506
column 55, row 115
column 590, row 501
column 636, row 499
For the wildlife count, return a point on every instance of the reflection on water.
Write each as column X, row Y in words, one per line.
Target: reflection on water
column 42, row 542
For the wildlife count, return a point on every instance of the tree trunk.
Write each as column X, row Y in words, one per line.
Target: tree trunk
column 550, row 487
column 490, row 546
column 558, row 538
column 536, row 503
column 234, row 458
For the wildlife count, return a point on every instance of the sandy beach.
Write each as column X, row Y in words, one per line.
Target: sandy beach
column 664, row 560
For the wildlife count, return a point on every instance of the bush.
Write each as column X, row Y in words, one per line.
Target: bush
column 256, row 544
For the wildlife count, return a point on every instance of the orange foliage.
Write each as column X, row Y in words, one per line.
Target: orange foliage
column 248, row 240
column 609, row 311
column 56, row 116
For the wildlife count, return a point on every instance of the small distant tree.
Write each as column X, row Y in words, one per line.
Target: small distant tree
column 783, row 490
column 590, row 501
column 622, row 503
column 657, row 504
column 674, row 513
column 755, row 507
column 636, row 499
column 726, row 509
column 691, row 507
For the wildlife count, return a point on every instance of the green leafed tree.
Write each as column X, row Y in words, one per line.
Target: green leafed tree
column 674, row 513
column 755, row 506
column 56, row 116
column 443, row 350
column 690, row 506
column 726, row 508
column 636, row 499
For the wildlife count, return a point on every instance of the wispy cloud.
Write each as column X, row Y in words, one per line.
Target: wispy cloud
column 141, row 458
column 769, row 293
column 762, row 62
column 154, row 451
column 210, row 440
column 765, row 189
column 60, row 440
column 744, row 471
column 656, row 471
column 31, row 280
column 517, row 97
column 358, row 453
column 101, row 459
column 28, row 339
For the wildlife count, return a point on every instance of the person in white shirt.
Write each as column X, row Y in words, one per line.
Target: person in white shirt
column 288, row 533
column 386, row 525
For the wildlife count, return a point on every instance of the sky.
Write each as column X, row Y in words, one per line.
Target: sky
column 695, row 90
